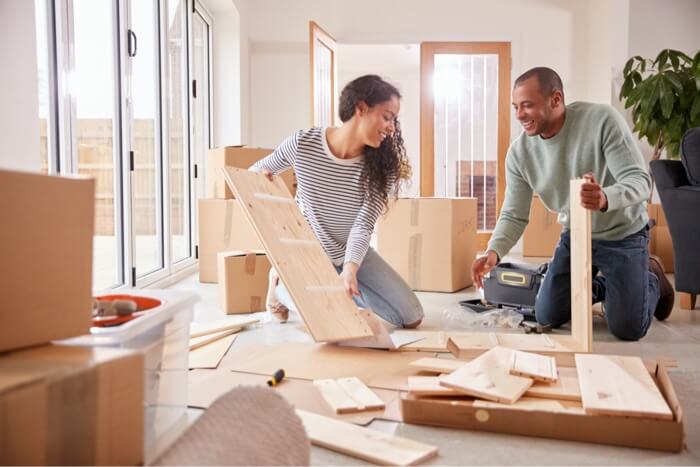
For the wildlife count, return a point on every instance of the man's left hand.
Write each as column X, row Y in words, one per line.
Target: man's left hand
column 592, row 195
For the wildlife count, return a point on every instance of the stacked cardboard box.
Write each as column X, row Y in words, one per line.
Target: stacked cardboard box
column 58, row 405
column 430, row 242
column 542, row 232
column 222, row 224
column 243, row 279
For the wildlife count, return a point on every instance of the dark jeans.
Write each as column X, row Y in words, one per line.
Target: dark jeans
column 628, row 290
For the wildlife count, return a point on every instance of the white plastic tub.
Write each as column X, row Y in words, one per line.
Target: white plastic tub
column 162, row 334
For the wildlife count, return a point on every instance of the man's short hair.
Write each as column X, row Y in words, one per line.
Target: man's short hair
column 547, row 78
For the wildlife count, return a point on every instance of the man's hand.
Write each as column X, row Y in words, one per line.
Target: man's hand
column 592, row 195
column 482, row 266
column 349, row 276
column 267, row 174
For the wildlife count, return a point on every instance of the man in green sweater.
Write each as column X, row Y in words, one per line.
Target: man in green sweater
column 561, row 142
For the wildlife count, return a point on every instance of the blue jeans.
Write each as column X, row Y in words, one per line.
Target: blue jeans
column 381, row 289
column 628, row 290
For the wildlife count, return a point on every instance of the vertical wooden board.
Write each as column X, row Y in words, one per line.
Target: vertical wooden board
column 358, row 391
column 437, row 365
column 364, row 443
column 565, row 388
column 535, row 366
column 307, row 272
column 336, row 397
column 617, row 385
column 487, row 377
column 581, row 280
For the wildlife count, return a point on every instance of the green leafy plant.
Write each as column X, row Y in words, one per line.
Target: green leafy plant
column 664, row 95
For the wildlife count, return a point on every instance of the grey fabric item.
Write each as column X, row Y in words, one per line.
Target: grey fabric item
column 690, row 155
column 249, row 425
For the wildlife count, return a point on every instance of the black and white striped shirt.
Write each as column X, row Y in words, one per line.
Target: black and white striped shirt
column 329, row 193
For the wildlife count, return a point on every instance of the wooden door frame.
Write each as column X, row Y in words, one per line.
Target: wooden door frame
column 428, row 50
column 316, row 33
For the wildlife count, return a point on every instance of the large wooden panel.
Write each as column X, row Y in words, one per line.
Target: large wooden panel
column 487, row 377
column 616, row 385
column 307, row 272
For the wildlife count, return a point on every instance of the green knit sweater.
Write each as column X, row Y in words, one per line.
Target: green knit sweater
column 594, row 138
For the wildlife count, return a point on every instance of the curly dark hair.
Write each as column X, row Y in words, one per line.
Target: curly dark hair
column 386, row 168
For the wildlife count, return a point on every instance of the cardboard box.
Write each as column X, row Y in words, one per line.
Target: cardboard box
column 666, row 435
column 243, row 158
column 542, row 232
column 243, row 280
column 64, row 405
column 430, row 242
column 660, row 243
column 222, row 227
column 46, row 265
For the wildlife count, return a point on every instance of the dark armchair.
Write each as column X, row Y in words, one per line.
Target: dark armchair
column 679, row 189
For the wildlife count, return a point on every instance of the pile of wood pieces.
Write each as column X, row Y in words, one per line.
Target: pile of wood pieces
column 210, row 341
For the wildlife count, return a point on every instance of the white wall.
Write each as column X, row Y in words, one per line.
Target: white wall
column 19, row 104
column 565, row 35
column 400, row 65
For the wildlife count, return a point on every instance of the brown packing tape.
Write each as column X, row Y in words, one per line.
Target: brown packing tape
column 73, row 399
column 415, row 212
column 415, row 246
column 228, row 222
column 256, row 303
column 250, row 263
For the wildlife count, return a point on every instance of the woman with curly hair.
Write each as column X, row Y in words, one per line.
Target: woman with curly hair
column 345, row 178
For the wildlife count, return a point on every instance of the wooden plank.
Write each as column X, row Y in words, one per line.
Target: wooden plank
column 210, row 355
column 364, row 443
column 487, row 377
column 211, row 327
column 360, row 393
column 535, row 366
column 565, row 388
column 197, row 342
column 561, row 347
column 535, row 404
column 437, row 365
column 581, row 273
column 336, row 397
column 430, row 386
column 617, row 385
column 330, row 314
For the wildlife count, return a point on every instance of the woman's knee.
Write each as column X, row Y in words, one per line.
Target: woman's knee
column 412, row 315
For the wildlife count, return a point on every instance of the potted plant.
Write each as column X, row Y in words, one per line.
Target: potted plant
column 664, row 95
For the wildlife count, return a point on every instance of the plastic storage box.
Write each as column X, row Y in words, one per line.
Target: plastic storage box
column 162, row 334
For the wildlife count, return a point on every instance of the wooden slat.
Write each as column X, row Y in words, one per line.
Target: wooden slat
column 540, row 405
column 212, row 327
column 581, row 273
column 437, row 365
column 487, row 377
column 210, row 355
column 535, row 366
column 363, row 396
column 565, row 388
column 429, row 386
column 197, row 342
column 336, row 397
column 617, row 385
column 364, row 443
column 330, row 315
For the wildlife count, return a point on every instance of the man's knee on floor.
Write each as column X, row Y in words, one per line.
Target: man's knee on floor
column 627, row 331
column 546, row 318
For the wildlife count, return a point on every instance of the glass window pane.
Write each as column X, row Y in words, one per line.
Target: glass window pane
column 93, row 86
column 200, row 121
column 177, row 131
column 466, row 130
column 42, row 46
column 147, row 212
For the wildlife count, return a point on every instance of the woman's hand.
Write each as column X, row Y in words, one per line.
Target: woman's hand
column 267, row 174
column 349, row 276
